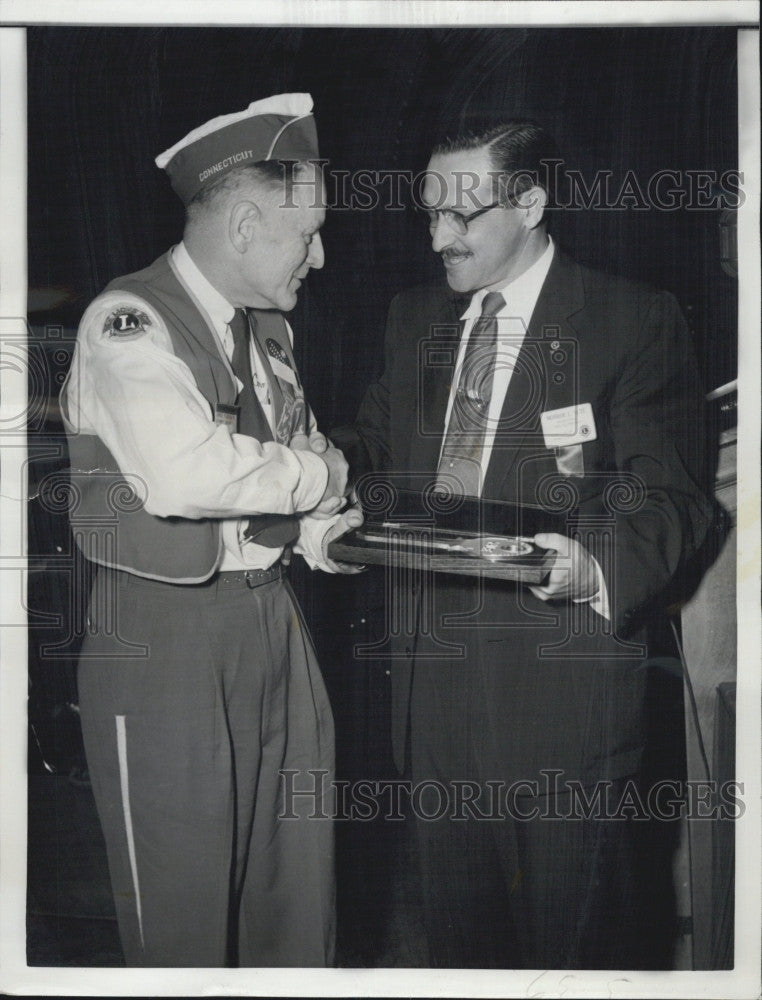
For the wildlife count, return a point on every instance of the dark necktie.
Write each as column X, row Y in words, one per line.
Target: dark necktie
column 251, row 417
column 271, row 530
column 459, row 466
column 287, row 407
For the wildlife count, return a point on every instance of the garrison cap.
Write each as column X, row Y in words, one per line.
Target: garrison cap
column 276, row 128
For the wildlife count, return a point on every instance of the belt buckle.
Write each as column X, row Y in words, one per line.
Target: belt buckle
column 249, row 576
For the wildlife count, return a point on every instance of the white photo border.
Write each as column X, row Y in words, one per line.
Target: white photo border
column 15, row 975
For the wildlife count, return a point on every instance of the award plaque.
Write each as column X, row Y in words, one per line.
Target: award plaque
column 505, row 557
column 428, row 530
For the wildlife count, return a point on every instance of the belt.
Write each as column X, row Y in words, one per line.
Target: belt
column 235, row 580
column 250, row 578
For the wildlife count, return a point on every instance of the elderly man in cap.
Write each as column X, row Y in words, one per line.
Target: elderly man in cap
column 198, row 681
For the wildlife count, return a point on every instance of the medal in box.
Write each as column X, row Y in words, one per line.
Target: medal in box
column 417, row 530
column 413, row 547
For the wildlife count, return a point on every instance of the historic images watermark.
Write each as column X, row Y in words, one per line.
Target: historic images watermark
column 550, row 796
column 663, row 190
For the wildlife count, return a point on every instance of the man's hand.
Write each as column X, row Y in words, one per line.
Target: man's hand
column 573, row 575
column 336, row 489
column 316, row 442
column 331, row 503
column 351, row 518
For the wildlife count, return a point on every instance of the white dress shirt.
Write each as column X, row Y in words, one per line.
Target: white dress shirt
column 219, row 314
column 520, row 296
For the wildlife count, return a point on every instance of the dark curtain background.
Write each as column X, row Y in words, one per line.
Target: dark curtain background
column 103, row 102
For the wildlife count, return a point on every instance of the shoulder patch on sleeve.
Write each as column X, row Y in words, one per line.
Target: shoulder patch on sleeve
column 126, row 323
column 119, row 317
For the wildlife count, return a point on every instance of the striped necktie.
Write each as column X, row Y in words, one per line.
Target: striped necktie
column 460, row 463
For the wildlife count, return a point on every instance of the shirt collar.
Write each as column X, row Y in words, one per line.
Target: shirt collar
column 217, row 306
column 520, row 292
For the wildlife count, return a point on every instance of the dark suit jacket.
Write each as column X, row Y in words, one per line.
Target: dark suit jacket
column 558, row 696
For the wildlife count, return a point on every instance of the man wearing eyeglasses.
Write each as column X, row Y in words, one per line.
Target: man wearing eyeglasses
column 530, row 709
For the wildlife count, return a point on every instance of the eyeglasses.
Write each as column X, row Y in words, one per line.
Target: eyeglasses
column 456, row 220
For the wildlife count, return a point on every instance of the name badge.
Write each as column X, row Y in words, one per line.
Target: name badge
column 569, row 425
column 226, row 415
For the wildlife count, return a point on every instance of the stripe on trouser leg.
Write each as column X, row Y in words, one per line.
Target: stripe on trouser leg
column 121, row 749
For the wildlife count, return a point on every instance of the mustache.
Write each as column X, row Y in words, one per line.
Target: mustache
column 449, row 253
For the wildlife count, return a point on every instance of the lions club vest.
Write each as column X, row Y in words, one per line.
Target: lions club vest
column 107, row 516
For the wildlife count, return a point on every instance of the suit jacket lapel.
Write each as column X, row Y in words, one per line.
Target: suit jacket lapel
column 562, row 296
column 436, row 361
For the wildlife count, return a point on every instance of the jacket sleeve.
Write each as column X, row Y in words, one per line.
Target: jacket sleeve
column 662, row 509
column 367, row 443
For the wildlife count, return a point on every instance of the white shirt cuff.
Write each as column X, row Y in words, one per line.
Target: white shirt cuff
column 312, row 531
column 600, row 599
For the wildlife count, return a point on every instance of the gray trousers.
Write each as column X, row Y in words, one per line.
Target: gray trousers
column 193, row 701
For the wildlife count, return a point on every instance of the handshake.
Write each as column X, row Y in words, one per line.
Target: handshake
column 337, row 487
column 335, row 495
